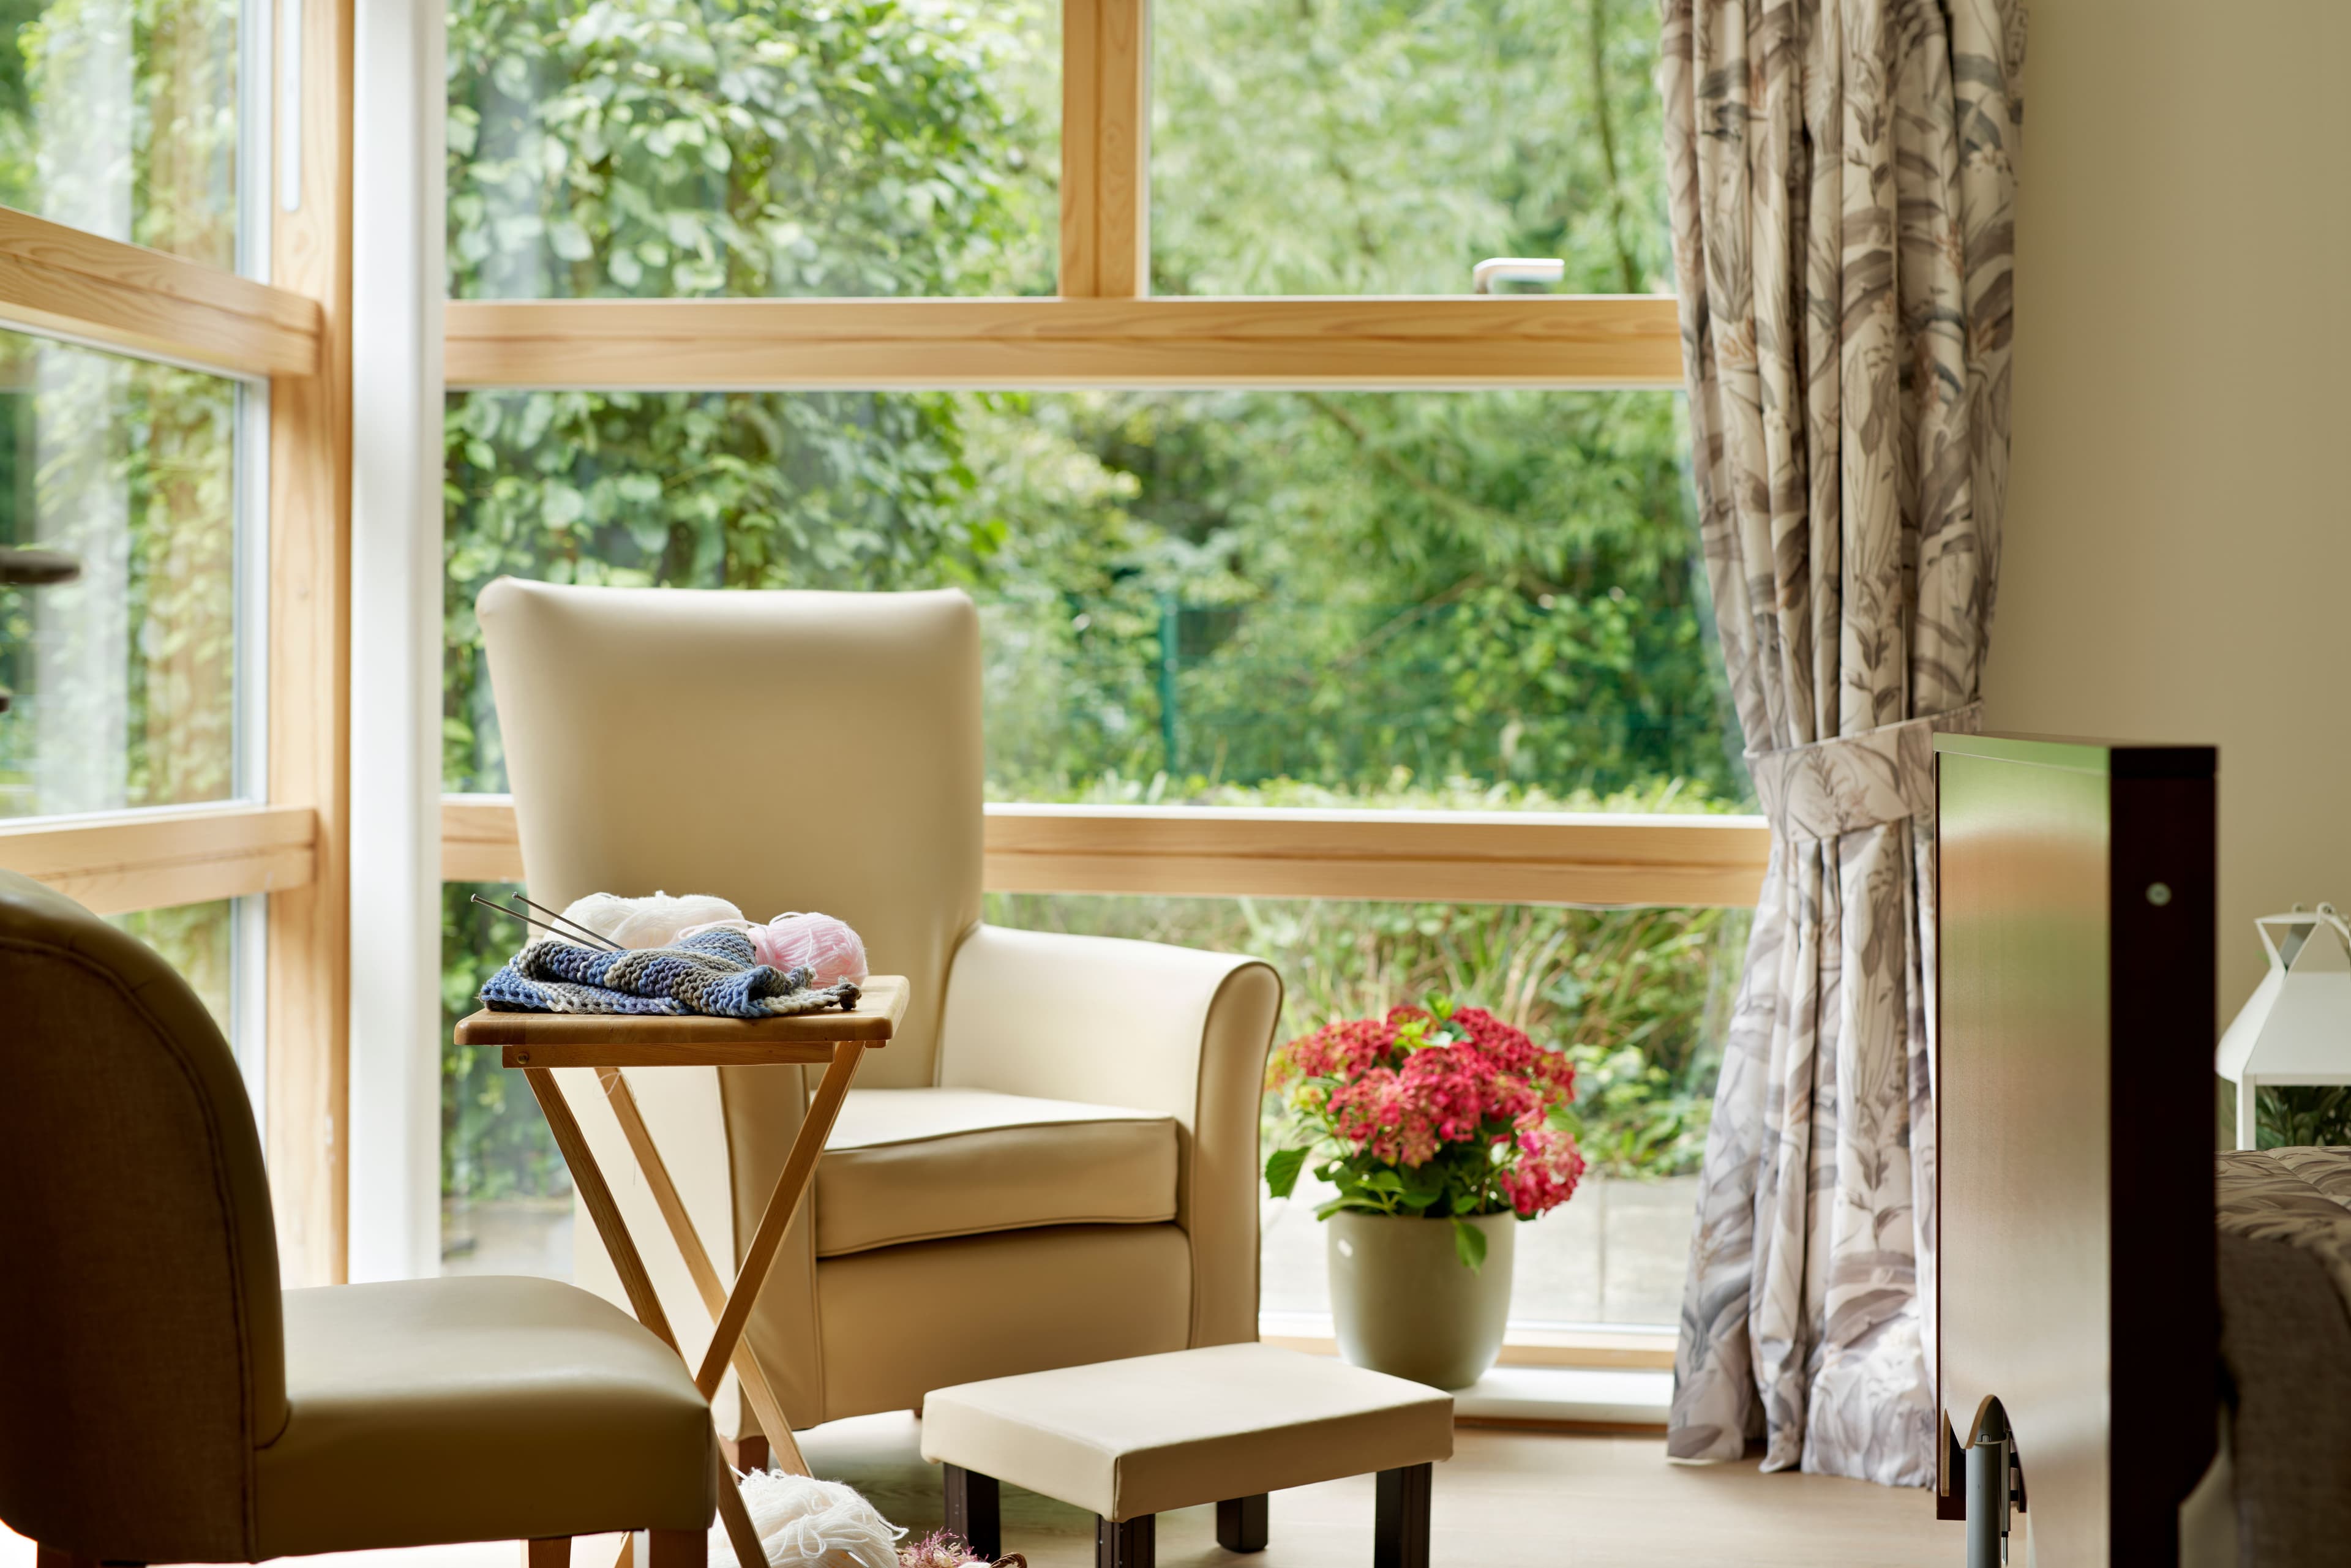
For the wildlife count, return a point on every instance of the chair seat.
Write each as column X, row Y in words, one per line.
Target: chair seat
column 477, row 1409
column 921, row 1164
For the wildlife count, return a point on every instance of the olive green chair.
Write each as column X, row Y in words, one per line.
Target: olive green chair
column 139, row 1285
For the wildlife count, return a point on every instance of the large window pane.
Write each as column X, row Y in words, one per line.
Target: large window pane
column 217, row 948
column 1638, row 996
column 652, row 147
column 505, row 1195
column 1439, row 599
column 1386, row 146
column 120, row 117
column 197, row 940
column 124, row 680
column 1428, row 598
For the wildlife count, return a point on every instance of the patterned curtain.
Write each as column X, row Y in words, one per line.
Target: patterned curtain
column 1843, row 181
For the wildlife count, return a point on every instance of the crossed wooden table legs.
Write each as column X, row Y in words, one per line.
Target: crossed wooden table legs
column 538, row 1043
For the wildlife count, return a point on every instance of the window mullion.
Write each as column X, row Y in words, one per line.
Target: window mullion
column 309, row 966
column 1105, row 148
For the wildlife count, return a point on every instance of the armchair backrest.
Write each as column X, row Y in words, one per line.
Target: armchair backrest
column 138, row 1289
column 782, row 749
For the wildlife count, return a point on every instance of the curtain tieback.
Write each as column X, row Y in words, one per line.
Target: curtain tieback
column 1849, row 783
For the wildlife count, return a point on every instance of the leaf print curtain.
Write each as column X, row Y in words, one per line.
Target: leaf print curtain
column 1842, row 182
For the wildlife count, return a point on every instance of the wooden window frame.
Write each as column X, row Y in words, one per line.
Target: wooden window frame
column 1104, row 330
column 308, row 1006
column 1436, row 857
column 1100, row 330
column 62, row 282
column 1306, row 340
column 294, row 333
column 121, row 862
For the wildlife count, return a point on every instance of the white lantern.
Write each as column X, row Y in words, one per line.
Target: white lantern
column 2297, row 1026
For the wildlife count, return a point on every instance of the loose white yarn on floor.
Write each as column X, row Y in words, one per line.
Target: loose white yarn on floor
column 808, row 1524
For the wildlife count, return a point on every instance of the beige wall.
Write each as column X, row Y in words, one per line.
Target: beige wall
column 2178, row 561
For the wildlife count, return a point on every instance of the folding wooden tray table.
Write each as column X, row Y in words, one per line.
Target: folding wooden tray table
column 539, row 1043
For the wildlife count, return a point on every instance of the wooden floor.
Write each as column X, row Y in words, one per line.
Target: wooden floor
column 1507, row 1499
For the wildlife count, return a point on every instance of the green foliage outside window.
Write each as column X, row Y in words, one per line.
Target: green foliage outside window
column 1452, row 600
column 120, row 117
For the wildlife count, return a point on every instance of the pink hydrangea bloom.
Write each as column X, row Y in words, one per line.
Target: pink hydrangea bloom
column 1380, row 1113
column 1402, row 1088
column 1549, row 1167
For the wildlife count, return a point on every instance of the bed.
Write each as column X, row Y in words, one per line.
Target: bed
column 2166, row 1332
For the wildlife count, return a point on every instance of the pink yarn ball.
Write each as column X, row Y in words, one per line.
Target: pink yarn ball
column 819, row 942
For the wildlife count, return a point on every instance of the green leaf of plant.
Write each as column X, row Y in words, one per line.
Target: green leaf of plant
column 1281, row 1168
column 1468, row 1245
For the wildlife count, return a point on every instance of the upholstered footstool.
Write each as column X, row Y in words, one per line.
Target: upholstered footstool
column 1224, row 1424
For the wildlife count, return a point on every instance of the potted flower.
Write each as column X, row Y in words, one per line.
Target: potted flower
column 1440, row 1127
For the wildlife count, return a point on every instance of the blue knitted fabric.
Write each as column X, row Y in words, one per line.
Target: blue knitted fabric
column 715, row 974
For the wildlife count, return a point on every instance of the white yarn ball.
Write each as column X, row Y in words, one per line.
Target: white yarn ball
column 807, row 1523
column 653, row 921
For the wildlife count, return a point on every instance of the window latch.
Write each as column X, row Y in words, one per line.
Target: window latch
column 36, row 568
column 1515, row 269
column 33, row 568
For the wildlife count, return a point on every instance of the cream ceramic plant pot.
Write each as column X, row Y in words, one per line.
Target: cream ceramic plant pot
column 1405, row 1303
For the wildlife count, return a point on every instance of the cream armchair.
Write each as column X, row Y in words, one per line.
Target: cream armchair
column 1055, row 1161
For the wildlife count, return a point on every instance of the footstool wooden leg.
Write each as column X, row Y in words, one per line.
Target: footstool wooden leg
column 1401, row 1537
column 974, row 1511
column 1128, row 1543
column 1241, row 1522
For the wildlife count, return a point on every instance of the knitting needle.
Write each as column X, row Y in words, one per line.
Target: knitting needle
column 597, row 938
column 525, row 917
column 574, row 926
column 529, row 919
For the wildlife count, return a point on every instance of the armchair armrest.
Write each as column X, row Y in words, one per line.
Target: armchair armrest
column 1150, row 1027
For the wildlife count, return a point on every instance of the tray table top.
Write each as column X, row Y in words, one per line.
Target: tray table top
column 621, row 1040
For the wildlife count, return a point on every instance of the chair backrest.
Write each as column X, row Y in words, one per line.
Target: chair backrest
column 782, row 749
column 141, row 1359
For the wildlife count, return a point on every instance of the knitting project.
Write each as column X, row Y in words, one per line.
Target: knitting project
column 713, row 973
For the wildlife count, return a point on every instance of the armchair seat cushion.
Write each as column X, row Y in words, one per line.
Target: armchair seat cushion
column 428, row 1411
column 921, row 1164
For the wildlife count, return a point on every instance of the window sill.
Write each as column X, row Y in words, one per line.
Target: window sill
column 1587, row 1347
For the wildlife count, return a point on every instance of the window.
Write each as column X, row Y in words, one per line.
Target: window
column 125, row 680
column 171, row 437
column 1639, row 996
column 197, row 940
column 1442, row 599
column 1366, row 147
column 792, row 149
column 123, row 121
column 1277, row 530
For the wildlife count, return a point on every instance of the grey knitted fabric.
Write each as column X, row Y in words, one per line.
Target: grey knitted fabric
column 2286, row 1340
